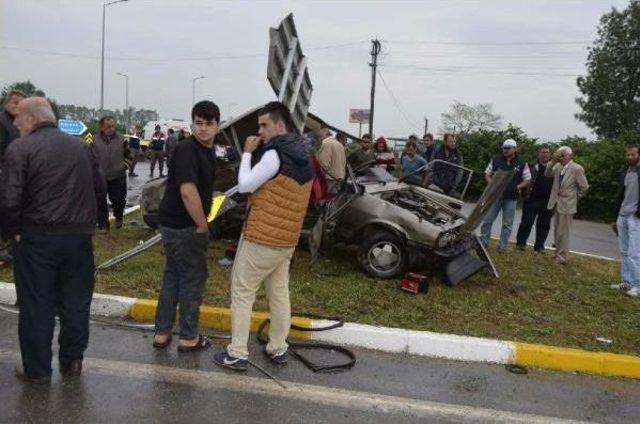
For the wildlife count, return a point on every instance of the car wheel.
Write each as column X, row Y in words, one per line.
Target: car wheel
column 383, row 255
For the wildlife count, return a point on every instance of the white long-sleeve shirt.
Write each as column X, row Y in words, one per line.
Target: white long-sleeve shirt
column 251, row 179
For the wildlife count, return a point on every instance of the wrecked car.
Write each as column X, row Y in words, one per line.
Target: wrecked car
column 398, row 226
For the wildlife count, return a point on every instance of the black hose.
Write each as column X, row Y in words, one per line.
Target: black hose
column 262, row 339
column 295, row 345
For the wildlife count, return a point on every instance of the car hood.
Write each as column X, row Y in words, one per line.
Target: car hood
column 491, row 194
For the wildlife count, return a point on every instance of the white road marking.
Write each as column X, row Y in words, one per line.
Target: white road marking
column 342, row 398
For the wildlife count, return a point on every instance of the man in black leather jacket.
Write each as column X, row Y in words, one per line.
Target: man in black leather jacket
column 49, row 202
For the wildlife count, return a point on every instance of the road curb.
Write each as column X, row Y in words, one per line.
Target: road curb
column 448, row 346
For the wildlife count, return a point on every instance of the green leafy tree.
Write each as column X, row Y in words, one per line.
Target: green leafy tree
column 28, row 88
column 610, row 98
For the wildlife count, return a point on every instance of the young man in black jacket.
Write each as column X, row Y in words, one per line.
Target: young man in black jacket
column 52, row 180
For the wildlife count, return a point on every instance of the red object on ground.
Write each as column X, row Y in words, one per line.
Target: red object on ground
column 414, row 283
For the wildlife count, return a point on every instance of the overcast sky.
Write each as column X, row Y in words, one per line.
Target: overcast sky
column 521, row 56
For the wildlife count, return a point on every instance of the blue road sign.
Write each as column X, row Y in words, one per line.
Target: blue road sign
column 71, row 126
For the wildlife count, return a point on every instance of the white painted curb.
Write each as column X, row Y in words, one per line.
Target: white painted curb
column 111, row 306
column 398, row 340
column 7, row 294
column 422, row 343
column 102, row 305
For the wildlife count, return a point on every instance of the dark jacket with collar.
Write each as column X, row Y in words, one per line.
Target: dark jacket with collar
column 112, row 153
column 51, row 183
column 540, row 186
column 444, row 176
column 621, row 190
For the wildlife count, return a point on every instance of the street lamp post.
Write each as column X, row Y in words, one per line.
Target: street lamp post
column 126, row 97
column 104, row 10
column 193, row 93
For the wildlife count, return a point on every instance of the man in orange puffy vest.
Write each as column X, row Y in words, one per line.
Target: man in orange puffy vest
column 279, row 185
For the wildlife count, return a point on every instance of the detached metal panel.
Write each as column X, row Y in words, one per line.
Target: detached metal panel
column 287, row 70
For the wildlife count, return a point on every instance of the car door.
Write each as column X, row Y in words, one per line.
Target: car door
column 332, row 211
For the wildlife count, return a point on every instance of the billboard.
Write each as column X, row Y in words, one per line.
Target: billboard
column 287, row 70
column 359, row 116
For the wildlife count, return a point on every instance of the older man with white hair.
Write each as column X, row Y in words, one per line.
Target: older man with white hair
column 569, row 185
column 49, row 201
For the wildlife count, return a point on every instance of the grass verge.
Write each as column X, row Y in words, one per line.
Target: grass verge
column 534, row 300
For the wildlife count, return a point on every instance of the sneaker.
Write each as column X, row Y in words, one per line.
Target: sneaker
column 634, row 291
column 225, row 360
column 279, row 358
column 624, row 286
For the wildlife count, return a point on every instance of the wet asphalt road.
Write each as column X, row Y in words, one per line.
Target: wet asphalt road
column 126, row 380
column 587, row 237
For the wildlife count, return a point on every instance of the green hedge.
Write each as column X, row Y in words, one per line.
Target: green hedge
column 602, row 161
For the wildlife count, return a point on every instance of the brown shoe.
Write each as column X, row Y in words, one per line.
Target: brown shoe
column 118, row 222
column 72, row 369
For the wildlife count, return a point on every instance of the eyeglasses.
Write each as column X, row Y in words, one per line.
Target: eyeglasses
column 508, row 148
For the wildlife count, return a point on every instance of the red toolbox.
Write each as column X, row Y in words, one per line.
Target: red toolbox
column 414, row 283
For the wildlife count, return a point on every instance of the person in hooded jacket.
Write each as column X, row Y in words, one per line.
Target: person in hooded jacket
column 279, row 185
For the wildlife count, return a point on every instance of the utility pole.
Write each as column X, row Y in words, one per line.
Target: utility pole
column 426, row 125
column 375, row 51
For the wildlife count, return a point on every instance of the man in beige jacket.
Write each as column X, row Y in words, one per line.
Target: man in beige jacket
column 333, row 160
column 569, row 185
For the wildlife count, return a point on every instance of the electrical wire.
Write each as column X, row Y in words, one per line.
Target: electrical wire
column 396, row 102
column 184, row 59
column 500, row 43
column 479, row 71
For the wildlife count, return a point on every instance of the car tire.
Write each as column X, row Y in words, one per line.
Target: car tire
column 392, row 263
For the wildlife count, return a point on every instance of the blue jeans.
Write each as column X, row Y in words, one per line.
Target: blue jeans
column 508, row 208
column 629, row 243
column 183, row 282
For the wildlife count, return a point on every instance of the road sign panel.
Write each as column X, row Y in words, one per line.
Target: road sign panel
column 71, row 126
column 287, row 70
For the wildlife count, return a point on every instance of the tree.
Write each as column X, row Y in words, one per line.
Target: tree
column 610, row 98
column 28, row 88
column 463, row 118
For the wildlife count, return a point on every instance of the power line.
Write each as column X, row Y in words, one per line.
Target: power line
column 501, row 43
column 396, row 101
column 480, row 71
column 162, row 60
